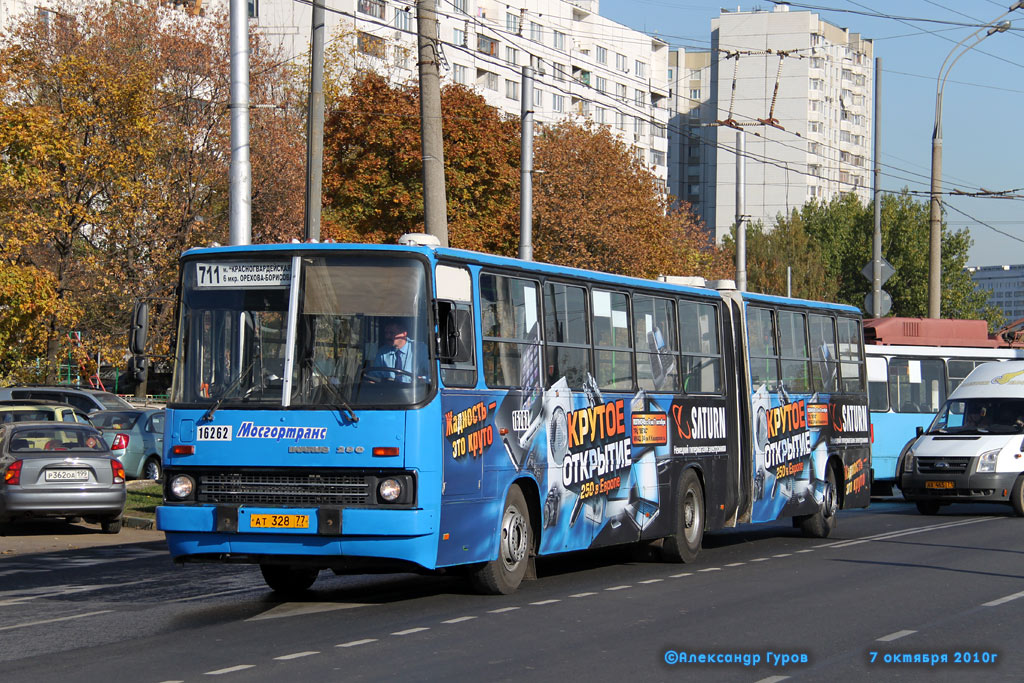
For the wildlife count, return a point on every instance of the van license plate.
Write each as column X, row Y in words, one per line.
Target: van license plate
column 938, row 484
column 279, row 521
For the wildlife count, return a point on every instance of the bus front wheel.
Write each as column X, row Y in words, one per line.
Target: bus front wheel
column 684, row 544
column 515, row 542
column 822, row 522
column 288, row 580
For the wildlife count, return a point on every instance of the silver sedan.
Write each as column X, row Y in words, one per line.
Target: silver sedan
column 59, row 470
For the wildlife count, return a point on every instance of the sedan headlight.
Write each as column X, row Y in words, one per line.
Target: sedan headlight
column 987, row 461
column 181, row 486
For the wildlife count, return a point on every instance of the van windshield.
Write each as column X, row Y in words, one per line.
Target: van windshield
column 980, row 416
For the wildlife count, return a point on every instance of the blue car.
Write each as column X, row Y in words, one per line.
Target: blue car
column 136, row 437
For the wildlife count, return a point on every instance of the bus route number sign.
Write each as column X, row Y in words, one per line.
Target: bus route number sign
column 238, row 274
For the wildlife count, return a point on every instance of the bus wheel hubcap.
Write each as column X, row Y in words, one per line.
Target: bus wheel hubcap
column 513, row 538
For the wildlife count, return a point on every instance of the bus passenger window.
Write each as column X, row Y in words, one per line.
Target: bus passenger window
column 511, row 331
column 566, row 335
column 613, row 357
column 764, row 369
column 793, row 346
column 701, row 360
column 824, row 357
column 654, row 328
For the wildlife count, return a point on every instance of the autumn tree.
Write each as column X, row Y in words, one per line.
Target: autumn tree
column 785, row 259
column 373, row 184
column 114, row 145
column 597, row 206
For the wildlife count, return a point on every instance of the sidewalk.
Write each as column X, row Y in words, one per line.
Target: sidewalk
column 47, row 535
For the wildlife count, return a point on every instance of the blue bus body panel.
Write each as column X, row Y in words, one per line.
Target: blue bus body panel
column 892, row 432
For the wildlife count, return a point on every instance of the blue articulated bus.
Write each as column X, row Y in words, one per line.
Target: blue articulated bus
column 913, row 364
column 364, row 408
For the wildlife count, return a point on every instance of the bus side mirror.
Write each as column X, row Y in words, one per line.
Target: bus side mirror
column 454, row 333
column 140, row 328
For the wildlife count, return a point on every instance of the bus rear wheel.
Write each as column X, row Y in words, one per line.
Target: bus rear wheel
column 822, row 522
column 288, row 580
column 503, row 575
column 684, row 544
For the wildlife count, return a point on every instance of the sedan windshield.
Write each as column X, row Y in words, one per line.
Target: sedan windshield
column 360, row 333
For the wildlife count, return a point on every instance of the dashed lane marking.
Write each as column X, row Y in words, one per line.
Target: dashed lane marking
column 297, row 655
column 55, row 619
column 354, row 643
column 583, row 595
column 1002, row 600
column 545, row 602
column 618, row 588
column 503, row 609
column 230, row 670
column 410, row 630
column 457, row 620
column 652, row 581
column 895, row 636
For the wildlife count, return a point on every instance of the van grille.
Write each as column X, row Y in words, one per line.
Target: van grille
column 261, row 488
column 939, row 465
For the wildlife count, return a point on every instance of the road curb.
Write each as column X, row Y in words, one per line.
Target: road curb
column 139, row 522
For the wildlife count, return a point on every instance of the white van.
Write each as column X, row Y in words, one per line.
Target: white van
column 973, row 451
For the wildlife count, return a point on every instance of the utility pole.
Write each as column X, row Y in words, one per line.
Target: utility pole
column 876, row 240
column 741, row 230
column 240, row 193
column 526, row 169
column 435, row 203
column 315, row 125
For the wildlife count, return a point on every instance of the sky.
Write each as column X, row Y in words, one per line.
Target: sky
column 983, row 135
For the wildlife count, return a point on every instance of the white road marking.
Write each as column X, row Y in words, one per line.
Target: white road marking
column 652, row 581
column 773, row 679
column 456, row 620
column 907, row 532
column 894, row 636
column 782, row 555
column 761, row 559
column 297, row 655
column 617, row 588
column 806, row 550
column 545, row 602
column 54, row 620
column 679, row 576
column 736, row 564
column 711, row 569
column 353, row 643
column 410, row 630
column 230, row 670
column 582, row 595
column 295, row 609
column 503, row 609
column 1002, row 600
column 57, row 591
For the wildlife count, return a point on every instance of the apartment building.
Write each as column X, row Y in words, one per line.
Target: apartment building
column 801, row 91
column 1005, row 285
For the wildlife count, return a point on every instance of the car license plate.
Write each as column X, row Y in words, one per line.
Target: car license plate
column 938, row 484
column 278, row 521
column 66, row 475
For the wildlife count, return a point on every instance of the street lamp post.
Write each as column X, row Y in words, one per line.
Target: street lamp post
column 935, row 218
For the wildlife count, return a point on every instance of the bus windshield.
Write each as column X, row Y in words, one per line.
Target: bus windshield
column 359, row 338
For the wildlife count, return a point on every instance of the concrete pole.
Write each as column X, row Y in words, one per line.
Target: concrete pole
column 526, row 169
column 876, row 240
column 435, row 202
column 935, row 218
column 741, row 230
column 240, row 193
column 315, row 125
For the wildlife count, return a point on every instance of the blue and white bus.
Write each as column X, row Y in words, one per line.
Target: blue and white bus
column 553, row 410
column 913, row 364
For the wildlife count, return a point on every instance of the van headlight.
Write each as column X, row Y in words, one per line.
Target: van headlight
column 987, row 461
column 908, row 462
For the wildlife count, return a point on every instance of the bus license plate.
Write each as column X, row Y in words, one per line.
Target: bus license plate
column 938, row 484
column 278, row 521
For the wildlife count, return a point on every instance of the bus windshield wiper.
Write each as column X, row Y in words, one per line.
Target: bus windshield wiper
column 208, row 415
column 341, row 403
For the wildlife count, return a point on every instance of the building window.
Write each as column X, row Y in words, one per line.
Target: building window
column 459, row 37
column 538, row 98
column 487, row 79
column 557, row 102
column 620, row 92
column 639, row 127
column 512, row 23
column 254, row 10
column 620, row 120
column 817, row 84
column 657, row 158
column 375, row 8
column 621, row 62
column 511, row 55
column 512, row 89
column 459, row 73
column 403, row 20
column 640, row 69
column 487, row 46
column 694, row 93
column 602, row 84
column 536, row 32
column 559, row 69
column 639, row 97
column 461, row 6
column 599, row 114
column 370, row 45
column 559, row 41
column 659, row 130
column 602, row 55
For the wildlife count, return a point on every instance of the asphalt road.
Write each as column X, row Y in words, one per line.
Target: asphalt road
column 890, row 584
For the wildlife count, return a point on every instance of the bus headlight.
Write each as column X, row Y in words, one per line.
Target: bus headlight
column 390, row 490
column 987, row 461
column 181, row 486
